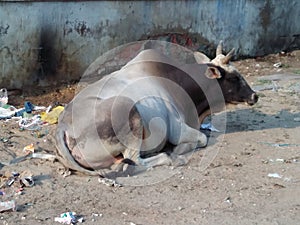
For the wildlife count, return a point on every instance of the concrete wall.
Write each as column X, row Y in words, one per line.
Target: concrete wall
column 43, row 43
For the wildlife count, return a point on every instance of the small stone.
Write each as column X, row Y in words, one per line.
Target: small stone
column 228, row 200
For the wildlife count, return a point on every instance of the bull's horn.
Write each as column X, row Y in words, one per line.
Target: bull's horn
column 219, row 48
column 227, row 58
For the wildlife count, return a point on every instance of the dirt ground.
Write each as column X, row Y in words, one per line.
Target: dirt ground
column 253, row 179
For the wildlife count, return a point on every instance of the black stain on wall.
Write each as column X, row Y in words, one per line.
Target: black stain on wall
column 276, row 36
column 78, row 26
column 4, row 30
column 68, row 27
column 47, row 58
column 265, row 15
column 81, row 28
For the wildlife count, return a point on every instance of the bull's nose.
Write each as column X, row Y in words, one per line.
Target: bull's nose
column 253, row 99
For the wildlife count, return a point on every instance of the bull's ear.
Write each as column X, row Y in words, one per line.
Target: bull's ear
column 201, row 58
column 212, row 72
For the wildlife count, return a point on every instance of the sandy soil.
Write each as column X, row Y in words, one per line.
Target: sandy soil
column 236, row 188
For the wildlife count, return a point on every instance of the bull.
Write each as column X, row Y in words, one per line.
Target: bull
column 148, row 113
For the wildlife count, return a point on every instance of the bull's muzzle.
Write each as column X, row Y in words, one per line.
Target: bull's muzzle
column 253, row 99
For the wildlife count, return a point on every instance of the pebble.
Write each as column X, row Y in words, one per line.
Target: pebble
column 297, row 119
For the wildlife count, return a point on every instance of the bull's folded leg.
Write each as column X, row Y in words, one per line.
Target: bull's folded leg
column 126, row 165
column 132, row 163
column 157, row 160
column 191, row 135
column 188, row 141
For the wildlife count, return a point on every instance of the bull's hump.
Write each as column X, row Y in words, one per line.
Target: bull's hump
column 151, row 55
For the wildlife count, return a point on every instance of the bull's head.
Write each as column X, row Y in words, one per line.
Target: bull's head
column 234, row 87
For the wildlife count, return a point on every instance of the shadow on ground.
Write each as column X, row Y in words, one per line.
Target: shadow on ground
column 251, row 120
column 243, row 120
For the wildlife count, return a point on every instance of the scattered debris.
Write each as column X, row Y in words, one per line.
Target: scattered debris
column 209, row 126
column 28, row 117
column 69, row 218
column 10, row 181
column 7, row 206
column 4, row 140
column 52, row 116
column 274, row 175
column 25, row 112
column 16, row 180
column 27, row 181
column 228, row 200
column 29, row 149
column 40, row 133
column 109, row 182
column 277, row 65
column 33, row 123
column 97, row 214
column 277, row 160
column 43, row 156
column 29, row 156
column 279, row 144
column 6, row 113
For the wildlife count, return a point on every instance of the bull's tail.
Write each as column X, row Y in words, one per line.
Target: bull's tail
column 64, row 155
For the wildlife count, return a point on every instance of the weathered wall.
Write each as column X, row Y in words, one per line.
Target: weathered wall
column 48, row 42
